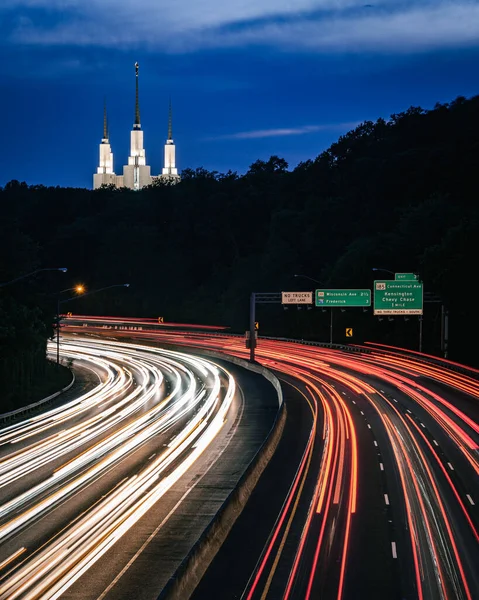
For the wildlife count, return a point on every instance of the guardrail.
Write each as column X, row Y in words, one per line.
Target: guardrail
column 27, row 410
column 187, row 576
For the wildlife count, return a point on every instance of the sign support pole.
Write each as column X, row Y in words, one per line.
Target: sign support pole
column 252, row 332
column 58, row 330
column 331, row 329
column 446, row 332
column 443, row 322
column 420, row 333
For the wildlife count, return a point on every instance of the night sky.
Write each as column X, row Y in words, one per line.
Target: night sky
column 247, row 78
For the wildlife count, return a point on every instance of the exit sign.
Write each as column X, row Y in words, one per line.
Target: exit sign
column 343, row 297
column 398, row 297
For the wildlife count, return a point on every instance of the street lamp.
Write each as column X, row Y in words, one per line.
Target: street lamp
column 62, row 269
column 307, row 277
column 385, row 270
column 81, row 295
column 79, row 289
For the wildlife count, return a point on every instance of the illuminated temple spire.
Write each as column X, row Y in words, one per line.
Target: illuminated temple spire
column 170, row 122
column 137, row 102
column 136, row 174
column 105, row 122
column 105, row 174
column 170, row 170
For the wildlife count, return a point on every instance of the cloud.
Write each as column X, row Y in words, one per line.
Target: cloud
column 184, row 26
column 284, row 131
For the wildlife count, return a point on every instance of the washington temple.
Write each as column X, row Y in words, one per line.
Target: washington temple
column 136, row 174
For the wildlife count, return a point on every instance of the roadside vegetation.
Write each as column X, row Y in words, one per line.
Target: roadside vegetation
column 399, row 194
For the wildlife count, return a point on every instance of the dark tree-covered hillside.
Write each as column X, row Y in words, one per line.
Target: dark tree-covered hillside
column 398, row 194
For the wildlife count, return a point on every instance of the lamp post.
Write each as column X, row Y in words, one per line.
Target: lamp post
column 62, row 269
column 80, row 290
column 308, row 277
column 385, row 270
column 331, row 309
column 82, row 295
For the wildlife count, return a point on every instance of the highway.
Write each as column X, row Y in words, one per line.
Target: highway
column 372, row 492
column 76, row 479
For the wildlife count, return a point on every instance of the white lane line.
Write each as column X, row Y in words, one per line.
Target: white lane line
column 395, row 400
column 386, row 499
column 343, row 393
column 369, row 426
column 381, row 466
column 435, row 442
column 422, row 425
column 382, row 391
column 407, row 410
column 470, row 499
column 393, row 549
column 450, row 466
column 354, row 402
column 375, row 443
column 362, row 413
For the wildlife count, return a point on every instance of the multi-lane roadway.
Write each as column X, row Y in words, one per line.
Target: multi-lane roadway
column 371, row 493
column 76, row 479
column 376, row 496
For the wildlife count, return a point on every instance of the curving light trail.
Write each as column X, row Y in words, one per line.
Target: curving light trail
column 144, row 393
column 407, row 399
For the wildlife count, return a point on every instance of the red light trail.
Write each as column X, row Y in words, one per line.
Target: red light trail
column 396, row 394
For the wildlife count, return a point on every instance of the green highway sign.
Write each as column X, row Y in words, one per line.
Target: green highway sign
column 332, row 298
column 393, row 297
column 405, row 277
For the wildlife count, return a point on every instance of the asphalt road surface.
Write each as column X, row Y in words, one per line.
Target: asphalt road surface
column 93, row 489
column 372, row 492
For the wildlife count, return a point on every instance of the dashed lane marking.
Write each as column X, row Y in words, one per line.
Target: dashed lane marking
column 450, row 466
column 381, row 466
column 393, row 549
column 386, row 499
column 470, row 499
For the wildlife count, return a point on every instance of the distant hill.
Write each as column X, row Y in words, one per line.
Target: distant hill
column 399, row 194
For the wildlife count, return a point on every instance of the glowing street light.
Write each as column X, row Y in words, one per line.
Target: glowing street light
column 79, row 289
column 81, row 293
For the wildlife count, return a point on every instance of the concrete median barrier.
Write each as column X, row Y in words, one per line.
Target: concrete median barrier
column 184, row 581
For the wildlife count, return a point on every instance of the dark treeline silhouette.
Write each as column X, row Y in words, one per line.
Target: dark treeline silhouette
column 399, row 194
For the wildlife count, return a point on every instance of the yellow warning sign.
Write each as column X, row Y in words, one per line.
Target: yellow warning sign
column 349, row 332
column 256, row 324
column 161, row 320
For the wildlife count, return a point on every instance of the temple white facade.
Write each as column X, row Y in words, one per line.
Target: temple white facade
column 104, row 174
column 170, row 170
column 136, row 174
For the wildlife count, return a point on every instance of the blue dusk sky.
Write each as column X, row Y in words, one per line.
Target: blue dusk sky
column 247, row 78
